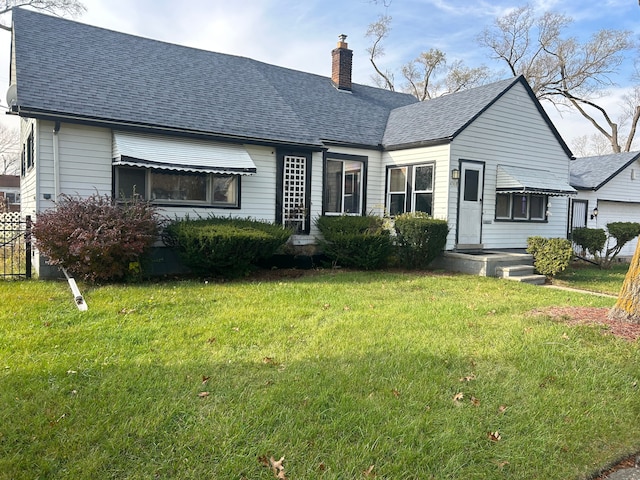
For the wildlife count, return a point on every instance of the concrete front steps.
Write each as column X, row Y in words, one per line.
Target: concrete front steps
column 507, row 265
column 520, row 273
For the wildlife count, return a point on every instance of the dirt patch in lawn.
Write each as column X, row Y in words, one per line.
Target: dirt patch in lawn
column 592, row 316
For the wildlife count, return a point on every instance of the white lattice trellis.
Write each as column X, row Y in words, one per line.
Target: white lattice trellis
column 294, row 191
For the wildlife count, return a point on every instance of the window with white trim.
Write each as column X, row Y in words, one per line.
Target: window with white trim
column 423, row 189
column 410, row 189
column 177, row 187
column 397, row 192
column 521, row 207
column 343, row 187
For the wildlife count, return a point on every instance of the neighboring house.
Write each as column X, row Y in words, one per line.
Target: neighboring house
column 9, row 193
column 202, row 133
column 608, row 191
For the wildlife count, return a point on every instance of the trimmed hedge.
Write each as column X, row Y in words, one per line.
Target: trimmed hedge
column 355, row 241
column 223, row 246
column 550, row 255
column 591, row 240
column 420, row 239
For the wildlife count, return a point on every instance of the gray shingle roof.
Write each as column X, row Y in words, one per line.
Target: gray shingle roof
column 443, row 117
column 68, row 68
column 591, row 173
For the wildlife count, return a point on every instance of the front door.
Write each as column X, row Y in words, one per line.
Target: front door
column 470, row 204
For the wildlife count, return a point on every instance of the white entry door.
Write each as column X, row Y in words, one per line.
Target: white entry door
column 470, row 204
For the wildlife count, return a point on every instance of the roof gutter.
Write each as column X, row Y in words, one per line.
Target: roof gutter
column 423, row 143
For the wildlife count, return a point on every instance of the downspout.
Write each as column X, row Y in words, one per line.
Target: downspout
column 56, row 162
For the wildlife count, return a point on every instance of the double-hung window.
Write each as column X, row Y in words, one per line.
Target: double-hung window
column 410, row 189
column 344, row 185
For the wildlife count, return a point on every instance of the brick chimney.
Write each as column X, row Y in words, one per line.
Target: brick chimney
column 341, row 65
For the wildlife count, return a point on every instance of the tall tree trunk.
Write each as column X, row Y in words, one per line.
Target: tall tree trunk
column 627, row 307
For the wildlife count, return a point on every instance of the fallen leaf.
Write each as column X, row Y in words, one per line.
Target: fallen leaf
column 494, row 436
column 203, row 394
column 346, row 308
column 396, row 393
column 264, row 460
column 502, row 464
column 457, row 398
column 369, row 472
column 205, row 379
column 268, row 360
column 278, row 467
column 211, row 340
column 326, row 306
column 468, row 378
column 235, row 329
column 475, row 402
column 502, row 408
column 565, row 336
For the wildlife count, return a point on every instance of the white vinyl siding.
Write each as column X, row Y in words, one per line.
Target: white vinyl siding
column 443, row 188
column 512, row 132
column 28, row 187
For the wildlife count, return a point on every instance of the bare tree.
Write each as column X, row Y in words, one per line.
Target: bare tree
column 58, row 7
column 590, row 145
column 561, row 69
column 9, row 150
column 378, row 31
column 428, row 76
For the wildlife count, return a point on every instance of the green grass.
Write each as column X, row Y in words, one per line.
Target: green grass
column 336, row 372
column 590, row 277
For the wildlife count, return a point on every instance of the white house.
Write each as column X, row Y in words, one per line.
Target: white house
column 204, row 132
column 608, row 189
column 9, row 193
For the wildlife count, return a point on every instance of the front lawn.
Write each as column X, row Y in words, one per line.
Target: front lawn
column 592, row 278
column 346, row 375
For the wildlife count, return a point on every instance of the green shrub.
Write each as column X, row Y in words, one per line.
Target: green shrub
column 550, row 255
column 96, row 238
column 223, row 246
column 591, row 240
column 355, row 241
column 623, row 233
column 419, row 239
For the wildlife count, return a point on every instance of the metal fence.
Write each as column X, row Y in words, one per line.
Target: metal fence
column 15, row 246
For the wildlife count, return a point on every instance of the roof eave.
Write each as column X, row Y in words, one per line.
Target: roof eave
column 150, row 128
column 422, row 143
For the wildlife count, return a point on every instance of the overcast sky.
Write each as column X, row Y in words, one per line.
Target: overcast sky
column 300, row 34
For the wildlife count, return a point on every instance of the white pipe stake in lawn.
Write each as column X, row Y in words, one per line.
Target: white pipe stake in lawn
column 77, row 296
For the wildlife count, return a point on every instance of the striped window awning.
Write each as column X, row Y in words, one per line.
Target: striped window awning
column 527, row 180
column 180, row 154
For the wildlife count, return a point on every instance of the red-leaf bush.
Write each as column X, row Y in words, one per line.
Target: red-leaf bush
column 96, row 238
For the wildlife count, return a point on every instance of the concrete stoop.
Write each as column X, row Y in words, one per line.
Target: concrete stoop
column 521, row 273
column 507, row 265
